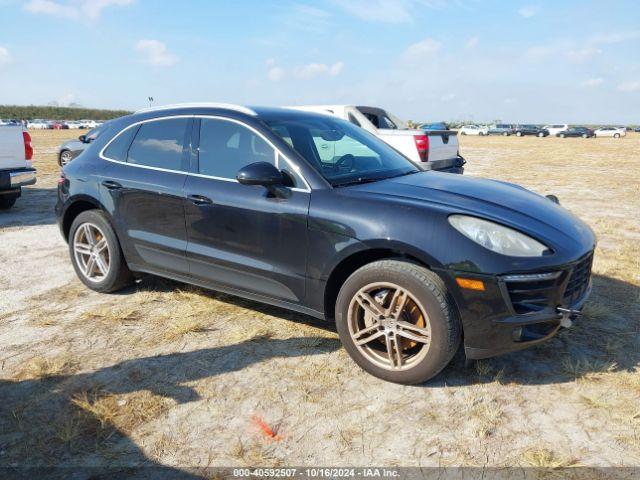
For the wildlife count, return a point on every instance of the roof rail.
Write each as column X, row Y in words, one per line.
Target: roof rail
column 227, row 106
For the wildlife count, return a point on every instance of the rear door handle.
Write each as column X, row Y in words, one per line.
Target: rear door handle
column 200, row 200
column 111, row 185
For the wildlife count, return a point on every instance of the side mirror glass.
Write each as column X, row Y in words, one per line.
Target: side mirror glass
column 83, row 138
column 260, row 173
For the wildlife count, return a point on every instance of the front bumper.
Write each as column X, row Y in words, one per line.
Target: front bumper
column 11, row 180
column 518, row 311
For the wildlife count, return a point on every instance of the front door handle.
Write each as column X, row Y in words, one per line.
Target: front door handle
column 200, row 200
column 111, row 185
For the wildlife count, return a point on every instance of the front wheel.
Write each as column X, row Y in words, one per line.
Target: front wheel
column 397, row 321
column 562, row 135
column 96, row 254
column 518, row 134
column 616, row 135
column 584, row 135
column 505, row 134
column 540, row 134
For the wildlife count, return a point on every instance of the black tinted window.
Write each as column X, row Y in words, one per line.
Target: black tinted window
column 226, row 147
column 118, row 148
column 160, row 144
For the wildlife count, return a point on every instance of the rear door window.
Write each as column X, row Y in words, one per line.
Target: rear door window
column 160, row 144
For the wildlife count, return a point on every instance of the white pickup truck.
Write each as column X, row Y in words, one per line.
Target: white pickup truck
column 431, row 149
column 15, row 164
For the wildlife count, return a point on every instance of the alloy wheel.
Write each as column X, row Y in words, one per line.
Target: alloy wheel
column 91, row 252
column 389, row 326
column 65, row 157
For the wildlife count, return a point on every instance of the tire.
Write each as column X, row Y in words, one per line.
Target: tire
column 505, row 134
column 562, row 135
column 425, row 296
column 584, row 135
column 463, row 133
column 616, row 135
column 7, row 201
column 116, row 275
column 540, row 134
column 65, row 157
column 518, row 134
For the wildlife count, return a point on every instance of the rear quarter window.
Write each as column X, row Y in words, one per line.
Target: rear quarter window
column 160, row 144
column 119, row 147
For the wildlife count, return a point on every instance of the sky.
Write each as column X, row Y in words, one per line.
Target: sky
column 560, row 61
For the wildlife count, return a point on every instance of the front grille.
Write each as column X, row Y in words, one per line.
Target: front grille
column 578, row 280
column 531, row 295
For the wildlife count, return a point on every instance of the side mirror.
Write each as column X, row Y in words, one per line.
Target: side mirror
column 83, row 138
column 260, row 173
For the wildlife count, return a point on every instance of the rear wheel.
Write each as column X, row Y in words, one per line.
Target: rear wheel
column 7, row 201
column 540, row 134
column 616, row 135
column 65, row 157
column 96, row 254
column 505, row 134
column 562, row 135
column 584, row 135
column 397, row 321
column 518, row 134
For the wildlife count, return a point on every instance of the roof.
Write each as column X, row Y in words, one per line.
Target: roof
column 226, row 106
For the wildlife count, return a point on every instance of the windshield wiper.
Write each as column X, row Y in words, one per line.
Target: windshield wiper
column 357, row 181
column 410, row 172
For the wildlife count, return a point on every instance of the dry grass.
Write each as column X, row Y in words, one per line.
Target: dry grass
column 47, row 367
column 545, row 458
column 177, row 373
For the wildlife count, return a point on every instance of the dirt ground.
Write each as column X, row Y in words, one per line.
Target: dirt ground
column 165, row 374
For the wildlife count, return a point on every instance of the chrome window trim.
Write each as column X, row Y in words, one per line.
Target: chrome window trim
column 277, row 151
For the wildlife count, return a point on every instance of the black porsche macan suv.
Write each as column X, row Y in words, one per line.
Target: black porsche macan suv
column 247, row 201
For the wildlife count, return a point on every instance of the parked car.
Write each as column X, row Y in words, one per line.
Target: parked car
column 16, row 171
column 615, row 132
column 556, row 128
column 474, row 130
column 432, row 150
column 434, row 126
column 72, row 148
column 88, row 124
column 408, row 263
column 37, row 124
column 73, row 125
column 55, row 125
column 637, row 129
column 501, row 129
column 583, row 132
column 522, row 130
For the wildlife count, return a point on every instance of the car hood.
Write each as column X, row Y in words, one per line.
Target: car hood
column 494, row 200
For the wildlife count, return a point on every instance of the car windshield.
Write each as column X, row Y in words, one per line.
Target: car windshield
column 342, row 153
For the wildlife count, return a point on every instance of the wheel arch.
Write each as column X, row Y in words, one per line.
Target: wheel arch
column 370, row 253
column 75, row 207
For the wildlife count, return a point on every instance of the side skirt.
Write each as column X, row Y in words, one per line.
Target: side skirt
column 229, row 290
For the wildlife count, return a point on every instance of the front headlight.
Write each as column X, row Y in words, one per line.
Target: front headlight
column 497, row 238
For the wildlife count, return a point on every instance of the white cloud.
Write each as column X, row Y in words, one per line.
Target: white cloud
column 73, row 9
column 313, row 70
column 629, row 87
column 155, row 53
column 593, row 82
column 580, row 55
column 616, row 37
column 275, row 74
column 528, row 12
column 386, row 11
column 419, row 50
column 5, row 56
column 473, row 42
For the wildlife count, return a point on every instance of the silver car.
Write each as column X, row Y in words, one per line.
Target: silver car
column 72, row 148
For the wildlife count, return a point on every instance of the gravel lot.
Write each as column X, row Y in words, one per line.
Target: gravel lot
column 165, row 374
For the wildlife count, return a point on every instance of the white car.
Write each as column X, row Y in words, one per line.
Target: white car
column 431, row 149
column 88, row 124
column 615, row 132
column 556, row 128
column 474, row 130
column 37, row 124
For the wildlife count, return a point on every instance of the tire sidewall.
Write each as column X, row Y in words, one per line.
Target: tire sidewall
column 116, row 262
column 438, row 355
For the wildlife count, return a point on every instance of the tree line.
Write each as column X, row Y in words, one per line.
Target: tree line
column 30, row 112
